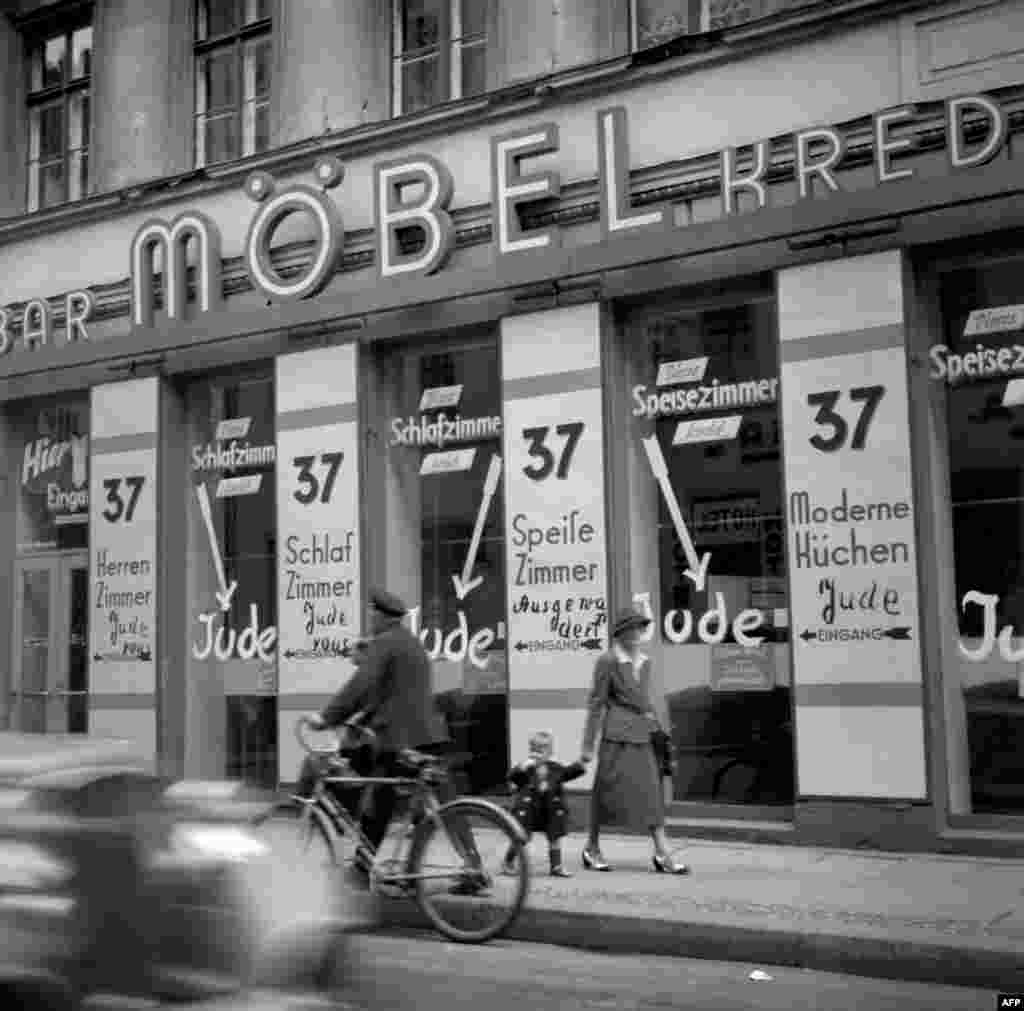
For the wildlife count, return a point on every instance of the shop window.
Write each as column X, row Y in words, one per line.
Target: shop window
column 982, row 364
column 59, row 116
column 440, row 52
column 51, row 455
column 233, row 58
column 703, row 390
column 447, row 525
column 232, row 593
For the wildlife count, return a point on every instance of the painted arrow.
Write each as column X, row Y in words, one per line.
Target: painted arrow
column 591, row 644
column 807, row 636
column 698, row 566
column 465, row 584
column 902, row 632
column 225, row 593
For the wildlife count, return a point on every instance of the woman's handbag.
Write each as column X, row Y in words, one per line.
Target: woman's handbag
column 662, row 745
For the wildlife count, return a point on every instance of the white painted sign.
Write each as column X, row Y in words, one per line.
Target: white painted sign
column 452, row 461
column 319, row 578
column 1003, row 319
column 850, row 518
column 123, row 539
column 691, row 370
column 556, row 533
column 436, row 397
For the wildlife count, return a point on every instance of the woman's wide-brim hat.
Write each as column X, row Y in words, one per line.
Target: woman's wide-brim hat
column 627, row 620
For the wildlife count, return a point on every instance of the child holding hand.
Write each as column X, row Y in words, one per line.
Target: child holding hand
column 539, row 804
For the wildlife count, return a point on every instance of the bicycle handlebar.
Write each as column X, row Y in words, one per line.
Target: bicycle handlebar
column 355, row 732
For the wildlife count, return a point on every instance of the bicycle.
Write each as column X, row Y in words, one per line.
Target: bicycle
column 410, row 870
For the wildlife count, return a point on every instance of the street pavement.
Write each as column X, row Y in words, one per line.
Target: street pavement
column 927, row 917
column 426, row 974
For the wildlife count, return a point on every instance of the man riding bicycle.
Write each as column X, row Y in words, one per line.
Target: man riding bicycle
column 391, row 692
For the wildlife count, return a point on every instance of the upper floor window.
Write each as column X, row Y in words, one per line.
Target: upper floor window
column 657, row 21
column 440, row 52
column 59, row 107
column 232, row 79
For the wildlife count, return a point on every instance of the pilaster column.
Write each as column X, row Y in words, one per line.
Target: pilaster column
column 536, row 37
column 143, row 80
column 330, row 66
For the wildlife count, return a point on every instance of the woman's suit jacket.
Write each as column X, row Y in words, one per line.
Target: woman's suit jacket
column 621, row 701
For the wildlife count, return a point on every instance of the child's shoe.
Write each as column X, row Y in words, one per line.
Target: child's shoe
column 508, row 868
column 558, row 871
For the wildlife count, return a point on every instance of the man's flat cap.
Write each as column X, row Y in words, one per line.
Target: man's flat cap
column 387, row 603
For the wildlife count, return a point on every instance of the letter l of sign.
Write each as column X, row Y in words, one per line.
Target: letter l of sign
column 613, row 171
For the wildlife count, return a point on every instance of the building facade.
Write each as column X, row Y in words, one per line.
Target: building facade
column 714, row 309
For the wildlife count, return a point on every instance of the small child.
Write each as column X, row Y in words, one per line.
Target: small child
column 539, row 805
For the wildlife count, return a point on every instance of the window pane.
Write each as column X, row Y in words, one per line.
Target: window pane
column 474, row 17
column 421, row 24
column 78, row 175
column 231, row 439
column 220, row 138
column 45, row 519
column 47, row 131
column 261, row 128
column 439, row 517
column 660, row 20
column 986, row 449
column 256, row 10
column 257, row 69
column 53, row 56
column 474, row 70
column 729, row 705
column 421, row 84
column 81, row 53
column 216, row 17
column 79, row 108
column 218, row 81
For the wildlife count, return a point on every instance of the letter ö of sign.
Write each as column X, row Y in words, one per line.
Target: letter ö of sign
column 275, row 207
column 174, row 239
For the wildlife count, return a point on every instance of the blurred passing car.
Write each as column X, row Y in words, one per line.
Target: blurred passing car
column 116, row 881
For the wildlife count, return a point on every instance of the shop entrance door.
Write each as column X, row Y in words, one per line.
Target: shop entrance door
column 51, row 644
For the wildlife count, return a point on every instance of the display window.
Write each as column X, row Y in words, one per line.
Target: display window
column 445, row 535
column 52, row 442
column 232, row 563
column 707, row 538
column 980, row 367
column 48, row 468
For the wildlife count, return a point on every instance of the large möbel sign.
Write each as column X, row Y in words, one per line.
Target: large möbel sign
column 817, row 153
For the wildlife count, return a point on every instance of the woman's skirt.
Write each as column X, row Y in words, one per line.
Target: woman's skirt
column 627, row 788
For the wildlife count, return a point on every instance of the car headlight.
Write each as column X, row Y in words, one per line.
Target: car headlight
column 228, row 843
column 28, row 866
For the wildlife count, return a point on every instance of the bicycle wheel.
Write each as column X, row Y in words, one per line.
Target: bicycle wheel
column 472, row 870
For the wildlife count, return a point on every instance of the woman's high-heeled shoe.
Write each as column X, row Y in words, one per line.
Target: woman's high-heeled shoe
column 666, row 865
column 594, row 861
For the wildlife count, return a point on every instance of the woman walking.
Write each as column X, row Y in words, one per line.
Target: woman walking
column 627, row 784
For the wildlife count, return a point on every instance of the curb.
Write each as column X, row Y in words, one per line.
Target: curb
column 874, row 957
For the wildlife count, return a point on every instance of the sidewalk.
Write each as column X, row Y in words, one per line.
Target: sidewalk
column 924, row 917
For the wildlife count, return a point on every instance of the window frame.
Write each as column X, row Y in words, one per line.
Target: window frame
column 235, row 41
column 64, row 93
column 449, row 48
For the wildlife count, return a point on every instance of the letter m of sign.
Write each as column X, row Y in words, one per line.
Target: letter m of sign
column 189, row 229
